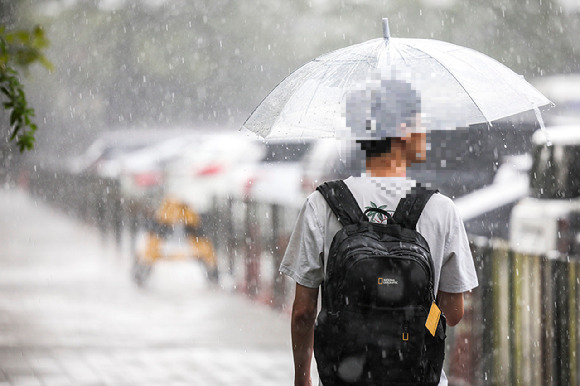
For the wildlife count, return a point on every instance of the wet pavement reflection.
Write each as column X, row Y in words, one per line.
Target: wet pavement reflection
column 70, row 314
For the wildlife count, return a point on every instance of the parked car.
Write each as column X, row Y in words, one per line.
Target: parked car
column 102, row 150
column 486, row 211
column 463, row 161
column 142, row 172
column 276, row 177
column 205, row 171
column 320, row 164
column 102, row 156
column 548, row 221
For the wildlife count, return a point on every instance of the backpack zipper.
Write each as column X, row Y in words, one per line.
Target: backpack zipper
column 405, row 333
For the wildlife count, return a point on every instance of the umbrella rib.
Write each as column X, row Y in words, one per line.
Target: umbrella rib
column 468, row 94
column 314, row 93
column 402, row 56
column 457, row 80
column 513, row 89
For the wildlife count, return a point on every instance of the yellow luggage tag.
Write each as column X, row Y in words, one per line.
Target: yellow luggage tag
column 433, row 319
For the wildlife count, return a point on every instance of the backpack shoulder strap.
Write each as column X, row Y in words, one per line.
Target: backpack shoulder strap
column 411, row 206
column 342, row 202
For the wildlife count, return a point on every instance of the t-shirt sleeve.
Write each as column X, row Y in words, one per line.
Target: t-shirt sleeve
column 458, row 270
column 302, row 260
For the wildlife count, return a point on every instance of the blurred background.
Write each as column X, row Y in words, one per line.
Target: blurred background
column 145, row 71
column 177, row 64
column 138, row 139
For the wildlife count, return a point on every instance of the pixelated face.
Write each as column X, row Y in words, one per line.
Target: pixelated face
column 379, row 109
column 382, row 108
column 416, row 143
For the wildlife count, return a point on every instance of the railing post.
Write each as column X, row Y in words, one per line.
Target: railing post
column 501, row 317
column 549, row 368
column 133, row 219
column 252, row 256
column 117, row 211
column 278, row 281
column 573, row 327
column 562, row 321
column 483, row 255
column 229, row 235
column 100, row 206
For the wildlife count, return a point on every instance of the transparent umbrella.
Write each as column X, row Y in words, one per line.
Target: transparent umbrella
column 458, row 87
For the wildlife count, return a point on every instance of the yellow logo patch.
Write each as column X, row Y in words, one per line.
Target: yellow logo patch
column 387, row 281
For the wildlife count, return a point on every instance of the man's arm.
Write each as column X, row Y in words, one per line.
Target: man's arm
column 452, row 306
column 302, row 325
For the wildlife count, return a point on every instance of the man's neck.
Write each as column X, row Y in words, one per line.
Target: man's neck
column 392, row 164
column 395, row 171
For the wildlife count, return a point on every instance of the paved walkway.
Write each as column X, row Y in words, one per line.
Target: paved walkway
column 70, row 314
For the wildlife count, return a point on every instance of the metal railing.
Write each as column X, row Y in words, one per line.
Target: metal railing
column 252, row 238
column 523, row 319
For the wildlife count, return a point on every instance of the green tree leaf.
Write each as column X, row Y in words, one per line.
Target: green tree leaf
column 20, row 49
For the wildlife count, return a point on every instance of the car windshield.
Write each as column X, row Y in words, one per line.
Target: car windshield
column 285, row 152
column 555, row 171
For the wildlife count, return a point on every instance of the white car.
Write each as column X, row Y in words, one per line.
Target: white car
column 208, row 170
column 548, row 221
column 142, row 170
column 141, row 173
column 100, row 157
column 320, row 164
column 276, row 177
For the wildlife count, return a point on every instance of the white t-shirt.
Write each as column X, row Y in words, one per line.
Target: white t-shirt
column 439, row 223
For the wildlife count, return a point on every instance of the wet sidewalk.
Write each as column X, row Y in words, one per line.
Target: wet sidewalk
column 70, row 314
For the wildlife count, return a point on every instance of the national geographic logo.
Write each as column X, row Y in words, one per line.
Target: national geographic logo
column 387, row 281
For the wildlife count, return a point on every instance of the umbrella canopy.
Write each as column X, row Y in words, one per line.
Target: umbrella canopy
column 457, row 86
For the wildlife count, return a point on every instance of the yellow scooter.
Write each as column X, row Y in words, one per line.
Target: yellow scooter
column 175, row 233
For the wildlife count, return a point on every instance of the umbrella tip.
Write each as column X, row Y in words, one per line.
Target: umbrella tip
column 386, row 32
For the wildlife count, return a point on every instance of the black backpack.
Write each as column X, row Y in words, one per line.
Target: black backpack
column 376, row 298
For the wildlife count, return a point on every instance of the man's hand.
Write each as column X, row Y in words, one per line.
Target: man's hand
column 452, row 306
column 304, row 312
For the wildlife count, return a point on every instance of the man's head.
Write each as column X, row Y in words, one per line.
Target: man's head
column 384, row 118
column 383, row 109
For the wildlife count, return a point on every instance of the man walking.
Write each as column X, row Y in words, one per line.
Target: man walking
column 384, row 123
